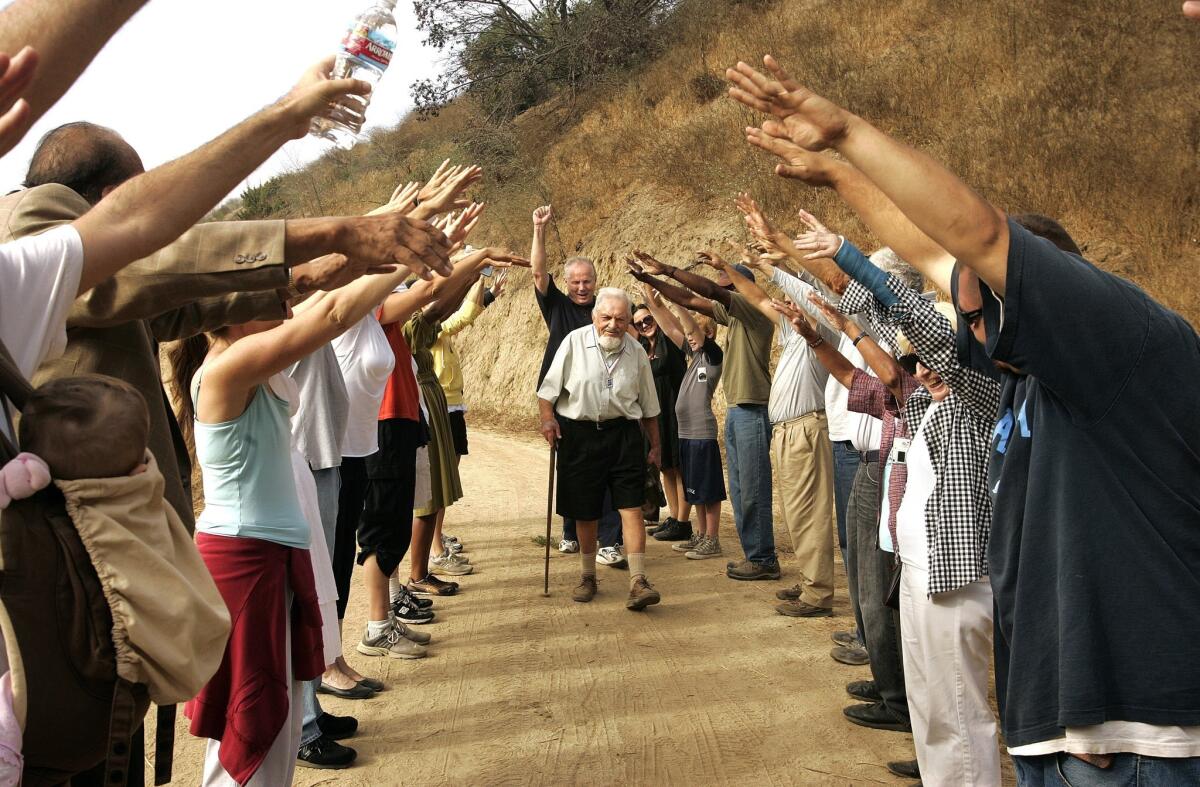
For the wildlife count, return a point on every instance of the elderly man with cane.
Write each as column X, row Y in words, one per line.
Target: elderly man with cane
column 598, row 389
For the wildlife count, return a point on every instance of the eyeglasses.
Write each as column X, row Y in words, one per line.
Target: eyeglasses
column 645, row 322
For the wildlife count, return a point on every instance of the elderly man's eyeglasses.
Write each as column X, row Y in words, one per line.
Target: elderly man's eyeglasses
column 645, row 322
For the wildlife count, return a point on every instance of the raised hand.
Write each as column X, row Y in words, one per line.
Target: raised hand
column 394, row 239
column 649, row 264
column 462, row 225
column 403, row 199
column 15, row 75
column 316, row 95
column 449, row 195
column 799, row 319
column 712, row 260
column 443, row 173
column 832, row 316
column 818, row 240
column 500, row 258
column 637, row 271
column 499, row 282
column 815, row 169
column 812, row 122
column 543, row 215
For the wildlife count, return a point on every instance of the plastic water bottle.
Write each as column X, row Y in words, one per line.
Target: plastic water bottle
column 365, row 54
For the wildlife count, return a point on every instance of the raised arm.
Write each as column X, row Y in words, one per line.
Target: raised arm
column 885, row 366
column 747, row 288
column 823, row 271
column 400, row 306
column 149, row 211
column 937, row 202
column 677, row 295
column 668, row 323
column 829, row 355
column 537, row 249
column 706, row 288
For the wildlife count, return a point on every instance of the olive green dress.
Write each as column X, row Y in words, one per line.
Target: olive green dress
column 445, row 483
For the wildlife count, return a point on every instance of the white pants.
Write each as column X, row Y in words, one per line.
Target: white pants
column 280, row 763
column 947, row 644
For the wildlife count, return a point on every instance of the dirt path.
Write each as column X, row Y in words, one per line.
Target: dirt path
column 710, row 687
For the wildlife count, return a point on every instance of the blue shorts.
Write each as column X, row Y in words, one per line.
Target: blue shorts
column 703, row 476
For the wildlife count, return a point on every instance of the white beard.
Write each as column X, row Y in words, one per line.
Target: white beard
column 609, row 343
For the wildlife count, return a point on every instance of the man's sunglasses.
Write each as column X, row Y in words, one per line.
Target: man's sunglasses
column 645, row 322
column 908, row 363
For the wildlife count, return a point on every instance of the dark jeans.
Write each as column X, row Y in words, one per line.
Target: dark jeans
column 845, row 463
column 608, row 532
column 748, row 452
column 351, row 498
column 870, row 570
column 1127, row 770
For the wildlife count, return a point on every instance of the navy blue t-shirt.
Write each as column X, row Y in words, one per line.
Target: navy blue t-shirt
column 1095, row 474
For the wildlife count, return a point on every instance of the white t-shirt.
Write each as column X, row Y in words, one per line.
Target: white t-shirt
column 366, row 360
column 1115, row 737
column 39, row 279
column 863, row 431
column 910, row 519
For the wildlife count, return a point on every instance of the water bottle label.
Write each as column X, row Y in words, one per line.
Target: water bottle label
column 370, row 46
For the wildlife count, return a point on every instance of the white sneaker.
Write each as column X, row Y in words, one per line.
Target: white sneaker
column 451, row 544
column 567, row 546
column 454, row 565
column 610, row 556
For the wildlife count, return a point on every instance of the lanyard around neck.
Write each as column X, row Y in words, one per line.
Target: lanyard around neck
column 608, row 367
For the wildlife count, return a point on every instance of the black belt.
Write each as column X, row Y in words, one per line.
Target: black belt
column 600, row 426
column 868, row 457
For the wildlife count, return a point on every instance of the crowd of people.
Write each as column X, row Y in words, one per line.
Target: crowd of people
column 968, row 409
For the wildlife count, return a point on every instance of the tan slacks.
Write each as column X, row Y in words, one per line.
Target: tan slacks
column 803, row 459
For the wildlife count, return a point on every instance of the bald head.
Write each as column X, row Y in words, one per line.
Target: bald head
column 90, row 160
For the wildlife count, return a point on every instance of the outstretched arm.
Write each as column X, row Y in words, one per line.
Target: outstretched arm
column 151, row 210
column 706, row 288
column 537, row 249
column 745, row 287
column 937, row 202
column 677, row 295
column 667, row 322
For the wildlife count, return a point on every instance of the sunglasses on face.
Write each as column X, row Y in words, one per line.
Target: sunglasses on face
column 645, row 322
column 908, row 362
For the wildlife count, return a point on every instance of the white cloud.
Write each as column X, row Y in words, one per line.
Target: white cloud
column 180, row 73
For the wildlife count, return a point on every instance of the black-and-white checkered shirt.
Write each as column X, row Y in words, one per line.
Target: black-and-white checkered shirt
column 958, row 514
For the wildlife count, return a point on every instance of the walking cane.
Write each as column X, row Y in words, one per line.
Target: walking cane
column 549, row 516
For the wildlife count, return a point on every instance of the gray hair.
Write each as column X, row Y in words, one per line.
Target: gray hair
column 889, row 262
column 573, row 261
column 613, row 293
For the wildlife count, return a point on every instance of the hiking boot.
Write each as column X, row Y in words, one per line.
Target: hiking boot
column 709, row 547
column 690, row 544
column 907, row 769
column 864, row 690
column 337, row 727
column 789, row 594
column 412, row 635
column 325, row 752
column 876, row 716
column 641, row 595
column 675, row 531
column 855, row 657
column 432, row 586
column 801, row 609
column 454, row 565
column 404, row 611
column 748, row 571
column 568, row 547
column 611, row 556
column 847, row 639
column 585, row 591
column 666, row 523
column 392, row 644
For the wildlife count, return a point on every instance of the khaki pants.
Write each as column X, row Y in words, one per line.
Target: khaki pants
column 803, row 459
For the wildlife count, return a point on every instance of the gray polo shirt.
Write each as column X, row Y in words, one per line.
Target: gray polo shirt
column 798, row 387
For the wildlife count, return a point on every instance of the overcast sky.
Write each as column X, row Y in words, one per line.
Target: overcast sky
column 181, row 72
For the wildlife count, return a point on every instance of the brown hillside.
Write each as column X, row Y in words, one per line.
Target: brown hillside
column 1085, row 110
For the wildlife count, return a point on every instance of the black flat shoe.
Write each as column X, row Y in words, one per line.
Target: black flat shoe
column 372, row 684
column 359, row 692
column 337, row 727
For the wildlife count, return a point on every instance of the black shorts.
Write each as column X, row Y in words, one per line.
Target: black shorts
column 592, row 461
column 385, row 528
column 458, row 431
column 703, row 476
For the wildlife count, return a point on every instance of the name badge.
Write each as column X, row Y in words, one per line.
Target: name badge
column 899, row 454
column 702, row 373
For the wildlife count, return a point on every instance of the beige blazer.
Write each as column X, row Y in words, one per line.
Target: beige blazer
column 217, row 274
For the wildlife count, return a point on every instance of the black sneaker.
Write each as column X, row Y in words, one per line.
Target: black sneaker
column 337, row 728
column 876, row 716
column 406, row 612
column 325, row 752
column 415, row 600
column 664, row 525
column 864, row 690
column 675, row 531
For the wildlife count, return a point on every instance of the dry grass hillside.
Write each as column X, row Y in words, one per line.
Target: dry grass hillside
column 1086, row 110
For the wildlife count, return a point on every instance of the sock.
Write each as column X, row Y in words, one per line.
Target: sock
column 377, row 627
column 637, row 566
column 394, row 586
column 588, row 561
